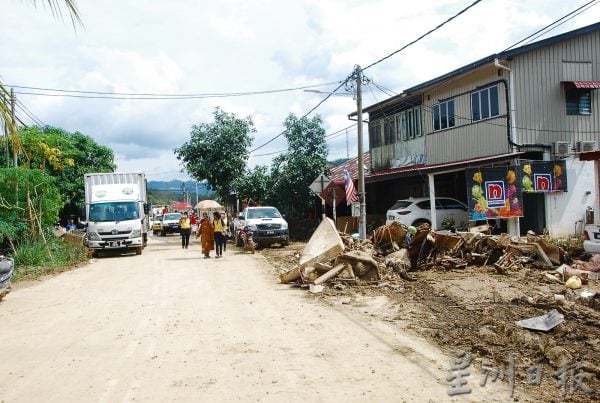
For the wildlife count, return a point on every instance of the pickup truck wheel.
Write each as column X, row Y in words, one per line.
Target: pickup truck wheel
column 138, row 250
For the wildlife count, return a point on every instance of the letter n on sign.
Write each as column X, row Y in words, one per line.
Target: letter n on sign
column 542, row 182
column 495, row 193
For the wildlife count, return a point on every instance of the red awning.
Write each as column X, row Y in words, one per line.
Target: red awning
column 590, row 85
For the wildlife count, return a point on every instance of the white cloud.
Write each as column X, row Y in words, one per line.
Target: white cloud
column 235, row 46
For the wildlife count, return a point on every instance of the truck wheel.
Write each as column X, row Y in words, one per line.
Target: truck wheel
column 138, row 250
column 163, row 233
column 94, row 253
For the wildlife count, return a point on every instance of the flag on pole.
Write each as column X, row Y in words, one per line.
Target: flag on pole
column 351, row 195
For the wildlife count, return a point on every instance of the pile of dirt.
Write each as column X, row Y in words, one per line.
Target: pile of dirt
column 473, row 308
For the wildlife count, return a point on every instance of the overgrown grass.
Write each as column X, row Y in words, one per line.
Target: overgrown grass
column 34, row 259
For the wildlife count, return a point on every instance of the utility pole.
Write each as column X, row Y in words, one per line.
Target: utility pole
column 362, row 220
column 14, row 125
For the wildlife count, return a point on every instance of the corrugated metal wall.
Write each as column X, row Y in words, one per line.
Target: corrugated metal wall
column 540, row 114
column 466, row 140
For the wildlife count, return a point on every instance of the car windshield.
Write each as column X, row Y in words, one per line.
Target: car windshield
column 114, row 211
column 172, row 216
column 401, row 204
column 263, row 213
column 157, row 217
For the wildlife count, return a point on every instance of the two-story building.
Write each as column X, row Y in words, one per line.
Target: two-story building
column 528, row 112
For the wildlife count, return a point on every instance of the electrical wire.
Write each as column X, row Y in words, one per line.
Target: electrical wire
column 304, row 116
column 146, row 96
column 423, row 36
column 553, row 23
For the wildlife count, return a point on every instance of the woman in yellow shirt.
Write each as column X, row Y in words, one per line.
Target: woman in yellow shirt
column 219, row 228
column 185, row 228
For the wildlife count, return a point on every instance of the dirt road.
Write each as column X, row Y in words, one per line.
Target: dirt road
column 169, row 325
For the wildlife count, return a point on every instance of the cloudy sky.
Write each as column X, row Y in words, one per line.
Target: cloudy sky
column 179, row 47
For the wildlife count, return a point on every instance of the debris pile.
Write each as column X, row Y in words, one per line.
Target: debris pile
column 394, row 251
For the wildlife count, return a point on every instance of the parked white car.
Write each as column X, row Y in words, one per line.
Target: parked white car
column 417, row 210
column 591, row 238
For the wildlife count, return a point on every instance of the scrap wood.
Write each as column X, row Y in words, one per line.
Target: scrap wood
column 322, row 267
column 388, row 235
column 290, row 275
column 330, row 274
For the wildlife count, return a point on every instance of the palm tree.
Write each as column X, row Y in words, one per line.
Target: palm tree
column 56, row 7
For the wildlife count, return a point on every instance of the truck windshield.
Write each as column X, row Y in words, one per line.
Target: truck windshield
column 114, row 211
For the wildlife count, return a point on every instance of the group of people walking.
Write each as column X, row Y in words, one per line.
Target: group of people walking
column 212, row 233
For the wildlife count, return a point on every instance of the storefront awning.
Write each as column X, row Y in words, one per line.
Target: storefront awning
column 590, row 85
column 388, row 174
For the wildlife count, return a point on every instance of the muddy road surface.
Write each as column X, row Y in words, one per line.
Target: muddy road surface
column 171, row 326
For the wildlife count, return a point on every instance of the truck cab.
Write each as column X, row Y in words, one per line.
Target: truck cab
column 115, row 212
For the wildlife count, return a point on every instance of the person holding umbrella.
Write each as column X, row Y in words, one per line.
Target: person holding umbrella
column 207, row 233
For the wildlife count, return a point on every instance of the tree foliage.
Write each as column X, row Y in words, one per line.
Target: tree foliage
column 67, row 157
column 294, row 171
column 218, row 151
column 29, row 202
column 255, row 184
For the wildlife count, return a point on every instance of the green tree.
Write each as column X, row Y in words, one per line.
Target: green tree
column 29, row 202
column 218, row 151
column 254, row 184
column 293, row 172
column 67, row 157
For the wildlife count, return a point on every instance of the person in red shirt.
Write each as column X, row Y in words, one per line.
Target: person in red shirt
column 194, row 222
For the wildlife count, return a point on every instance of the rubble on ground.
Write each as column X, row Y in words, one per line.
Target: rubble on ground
column 396, row 253
column 471, row 291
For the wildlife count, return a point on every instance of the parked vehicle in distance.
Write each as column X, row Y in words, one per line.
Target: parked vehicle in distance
column 156, row 223
column 266, row 224
column 416, row 211
column 591, row 238
column 169, row 223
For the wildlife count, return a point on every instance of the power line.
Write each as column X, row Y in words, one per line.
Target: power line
column 57, row 92
column 305, row 115
column 423, row 36
column 30, row 114
column 553, row 23
column 329, row 136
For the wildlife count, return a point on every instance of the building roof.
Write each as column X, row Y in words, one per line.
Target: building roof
column 336, row 174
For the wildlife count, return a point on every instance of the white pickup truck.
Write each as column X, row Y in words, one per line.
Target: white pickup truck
column 267, row 226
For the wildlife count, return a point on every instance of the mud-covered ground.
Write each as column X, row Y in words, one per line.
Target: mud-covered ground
column 474, row 310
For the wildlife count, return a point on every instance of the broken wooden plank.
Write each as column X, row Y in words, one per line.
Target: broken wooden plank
column 330, row 274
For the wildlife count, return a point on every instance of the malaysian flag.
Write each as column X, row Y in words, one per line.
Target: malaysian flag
column 351, row 195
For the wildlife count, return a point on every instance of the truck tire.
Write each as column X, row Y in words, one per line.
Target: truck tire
column 138, row 250
column 163, row 233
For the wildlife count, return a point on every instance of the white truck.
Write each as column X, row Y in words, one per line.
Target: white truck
column 115, row 212
column 266, row 224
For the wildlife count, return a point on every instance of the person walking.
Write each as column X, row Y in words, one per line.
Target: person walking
column 185, row 228
column 194, row 222
column 206, row 232
column 219, row 228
